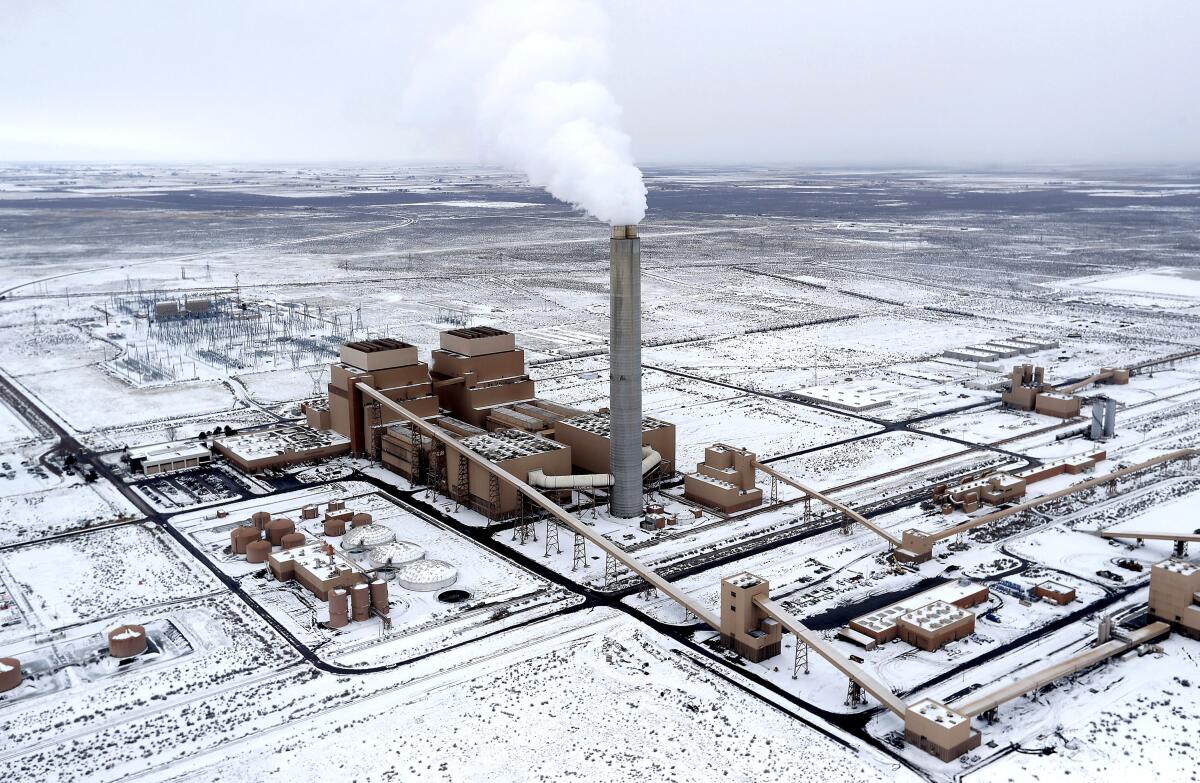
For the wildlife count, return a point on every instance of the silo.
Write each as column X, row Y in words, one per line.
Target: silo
column 339, row 608
column 379, row 596
column 337, row 505
column 278, row 528
column 10, row 674
column 360, row 519
column 257, row 551
column 360, row 601
column 1097, row 428
column 292, row 541
column 334, row 526
column 625, row 371
column 241, row 537
column 126, row 641
column 1110, row 418
column 260, row 519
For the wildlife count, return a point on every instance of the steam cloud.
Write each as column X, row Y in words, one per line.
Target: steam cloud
column 522, row 80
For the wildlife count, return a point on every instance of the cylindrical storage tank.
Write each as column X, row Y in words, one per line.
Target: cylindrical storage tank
column 339, row 608
column 260, row 519
column 379, row 596
column 126, row 641
column 292, row 541
column 257, row 551
column 426, row 575
column 308, row 512
column 10, row 674
column 360, row 601
column 395, row 554
column 335, row 527
column 367, row 537
column 360, row 519
column 241, row 537
column 278, row 528
column 337, row 505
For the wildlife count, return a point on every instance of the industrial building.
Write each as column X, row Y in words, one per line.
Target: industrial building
column 725, row 480
column 745, row 627
column 277, row 447
column 520, row 453
column 168, row 457
column 1174, row 585
column 937, row 729
column 926, row 620
column 590, row 439
column 1028, row 391
column 1057, row 592
column 389, row 366
column 317, row 567
column 478, row 371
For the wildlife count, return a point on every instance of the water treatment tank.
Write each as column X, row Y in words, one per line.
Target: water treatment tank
column 367, row 537
column 360, row 519
column 396, row 554
column 10, row 674
column 126, row 641
column 257, row 551
column 278, row 528
column 292, row 541
column 426, row 575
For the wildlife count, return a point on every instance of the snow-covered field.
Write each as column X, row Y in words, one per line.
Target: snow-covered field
column 756, row 284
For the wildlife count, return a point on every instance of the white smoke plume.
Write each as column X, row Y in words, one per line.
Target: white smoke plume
column 522, row 81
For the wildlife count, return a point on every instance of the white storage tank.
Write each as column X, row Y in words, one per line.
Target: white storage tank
column 426, row 575
column 367, row 537
column 396, row 554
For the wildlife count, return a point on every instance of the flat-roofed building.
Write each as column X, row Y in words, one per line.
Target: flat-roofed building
column 1057, row 592
column 256, row 450
column 168, row 457
column 939, row 730
column 316, row 567
column 934, row 624
column 518, row 453
column 588, row 437
column 883, row 625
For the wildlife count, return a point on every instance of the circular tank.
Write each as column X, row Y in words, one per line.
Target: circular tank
column 10, row 674
column 360, row 519
column 278, row 528
column 426, row 575
column 337, row 505
column 379, row 596
column 257, row 551
column 335, row 527
column 260, row 519
column 339, row 608
column 126, row 641
column 292, row 541
column 367, row 537
column 395, row 554
column 240, row 538
column 360, row 602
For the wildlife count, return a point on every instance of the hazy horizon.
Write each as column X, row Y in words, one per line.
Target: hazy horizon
column 867, row 85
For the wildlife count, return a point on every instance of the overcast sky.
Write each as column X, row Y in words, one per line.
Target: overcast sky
column 830, row 83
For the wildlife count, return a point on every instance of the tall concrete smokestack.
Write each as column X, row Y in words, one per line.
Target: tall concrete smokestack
column 625, row 370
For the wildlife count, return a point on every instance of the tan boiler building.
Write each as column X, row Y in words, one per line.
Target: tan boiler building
column 478, row 370
column 389, row 366
column 516, row 452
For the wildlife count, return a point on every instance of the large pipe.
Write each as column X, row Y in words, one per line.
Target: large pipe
column 625, row 371
column 538, row 478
